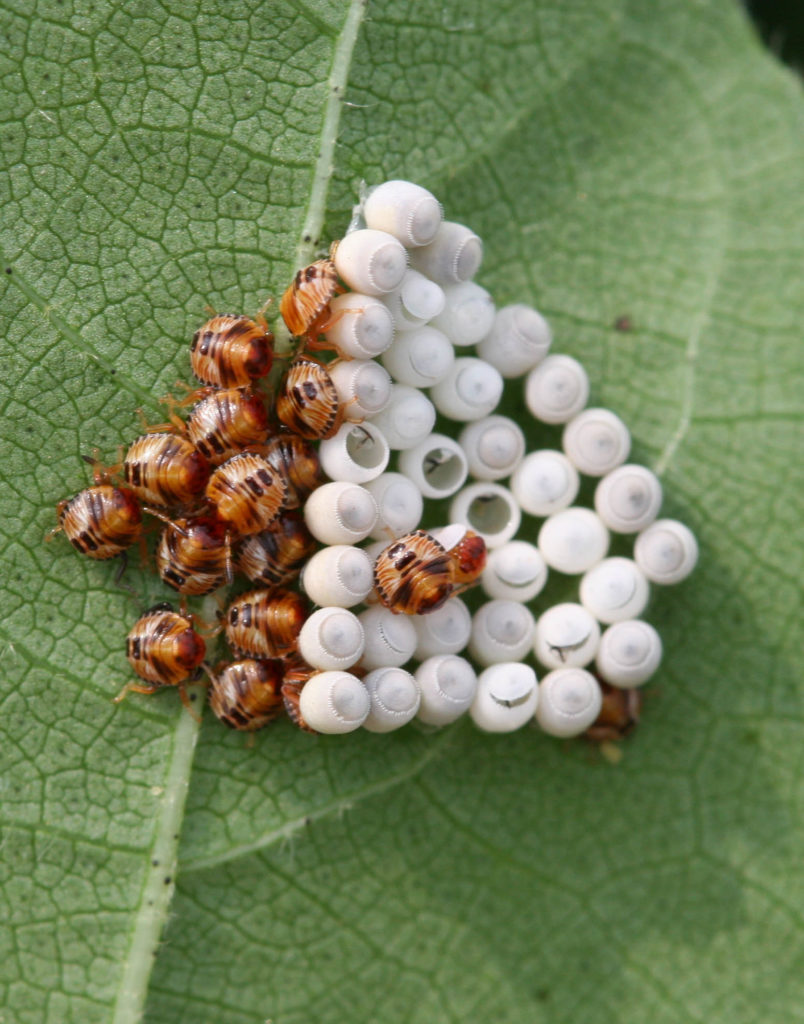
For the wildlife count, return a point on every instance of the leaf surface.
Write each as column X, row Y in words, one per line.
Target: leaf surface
column 619, row 161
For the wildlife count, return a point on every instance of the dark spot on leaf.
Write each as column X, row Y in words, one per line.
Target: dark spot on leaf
column 155, row 862
column 8, row 270
column 623, row 323
column 167, row 879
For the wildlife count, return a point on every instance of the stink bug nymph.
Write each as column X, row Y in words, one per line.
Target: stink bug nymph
column 265, row 623
column 308, row 402
column 414, row 575
column 164, row 649
column 305, row 304
column 101, row 521
column 231, row 351
column 297, row 461
column 227, row 422
column 246, row 694
column 247, row 494
column 276, row 555
column 194, row 555
column 163, row 470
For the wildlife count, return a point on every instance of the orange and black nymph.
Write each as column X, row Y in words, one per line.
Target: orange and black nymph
column 194, row 555
column 298, row 462
column 275, row 556
column 305, row 304
column 414, row 575
column 230, row 351
column 164, row 649
column 265, row 623
column 246, row 694
column 247, row 494
column 165, row 470
column 469, row 557
column 101, row 521
column 226, row 422
column 308, row 403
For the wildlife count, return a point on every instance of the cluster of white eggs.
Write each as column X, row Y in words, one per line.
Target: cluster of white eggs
column 414, row 306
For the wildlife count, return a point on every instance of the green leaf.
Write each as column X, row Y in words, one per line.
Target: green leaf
column 618, row 160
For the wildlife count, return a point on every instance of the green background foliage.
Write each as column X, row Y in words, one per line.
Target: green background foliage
column 618, row 159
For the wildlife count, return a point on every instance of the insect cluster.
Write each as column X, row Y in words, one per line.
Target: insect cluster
column 328, row 633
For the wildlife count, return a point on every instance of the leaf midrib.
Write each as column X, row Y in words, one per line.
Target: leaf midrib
column 150, row 915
